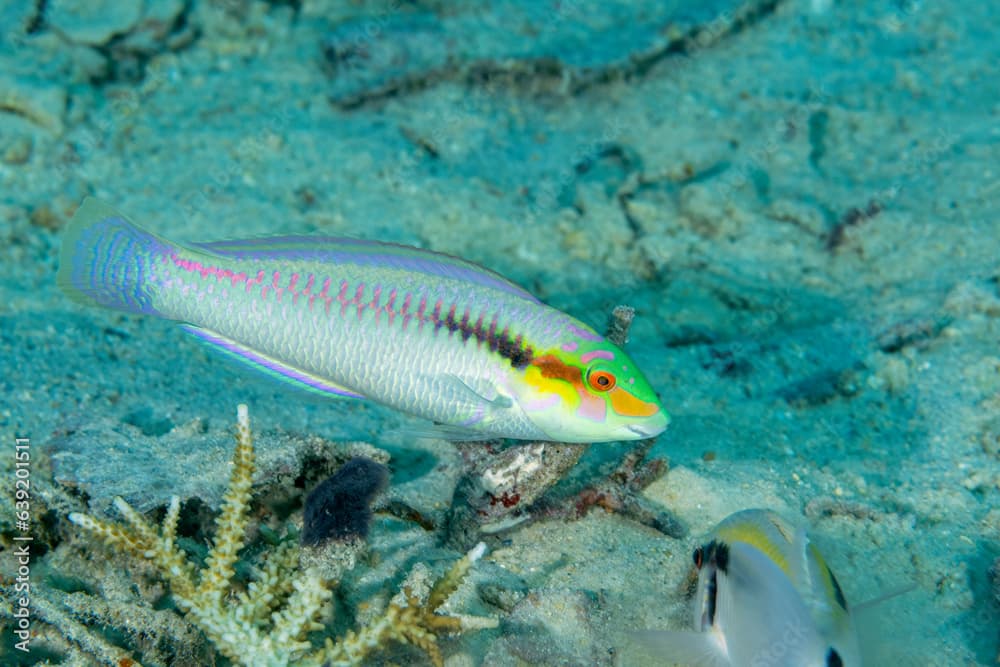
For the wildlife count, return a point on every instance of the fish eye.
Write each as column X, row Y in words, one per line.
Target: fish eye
column 833, row 659
column 699, row 557
column 601, row 380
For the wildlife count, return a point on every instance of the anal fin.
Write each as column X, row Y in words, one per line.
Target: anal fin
column 269, row 365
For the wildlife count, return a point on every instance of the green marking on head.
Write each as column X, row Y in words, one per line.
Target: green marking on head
column 590, row 391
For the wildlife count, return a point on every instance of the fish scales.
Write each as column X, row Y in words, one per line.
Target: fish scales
column 428, row 334
column 381, row 346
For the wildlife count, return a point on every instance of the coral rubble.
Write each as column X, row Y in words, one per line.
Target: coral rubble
column 268, row 622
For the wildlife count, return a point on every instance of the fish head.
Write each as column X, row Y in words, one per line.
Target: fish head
column 589, row 391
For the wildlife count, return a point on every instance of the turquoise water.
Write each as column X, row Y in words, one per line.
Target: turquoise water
column 798, row 197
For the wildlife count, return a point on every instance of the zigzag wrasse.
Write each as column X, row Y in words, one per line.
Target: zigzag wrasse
column 425, row 333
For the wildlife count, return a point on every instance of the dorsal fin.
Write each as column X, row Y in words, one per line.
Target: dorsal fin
column 763, row 530
column 339, row 251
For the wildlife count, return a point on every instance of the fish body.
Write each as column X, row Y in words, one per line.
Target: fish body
column 765, row 598
column 425, row 333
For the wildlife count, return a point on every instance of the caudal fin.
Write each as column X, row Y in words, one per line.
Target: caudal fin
column 106, row 259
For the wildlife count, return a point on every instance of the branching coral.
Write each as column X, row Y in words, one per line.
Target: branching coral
column 267, row 623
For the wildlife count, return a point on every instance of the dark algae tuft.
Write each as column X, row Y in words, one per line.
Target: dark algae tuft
column 339, row 508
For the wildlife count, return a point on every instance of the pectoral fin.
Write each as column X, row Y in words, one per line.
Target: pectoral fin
column 478, row 397
column 480, row 404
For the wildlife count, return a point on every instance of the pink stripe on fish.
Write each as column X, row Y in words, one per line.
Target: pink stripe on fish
column 374, row 304
column 583, row 333
column 324, row 295
column 305, row 291
column 569, row 346
column 597, row 354
column 388, row 307
column 357, row 299
column 420, row 313
column 342, row 297
column 255, row 281
column 195, row 266
column 274, row 285
column 364, row 254
column 405, row 310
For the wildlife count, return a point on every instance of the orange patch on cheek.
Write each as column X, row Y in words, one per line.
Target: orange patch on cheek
column 551, row 374
column 627, row 405
column 556, row 369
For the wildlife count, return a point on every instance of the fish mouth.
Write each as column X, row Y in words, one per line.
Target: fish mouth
column 646, row 431
column 650, row 427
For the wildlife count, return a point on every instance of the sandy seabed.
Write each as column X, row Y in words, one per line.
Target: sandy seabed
column 799, row 198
